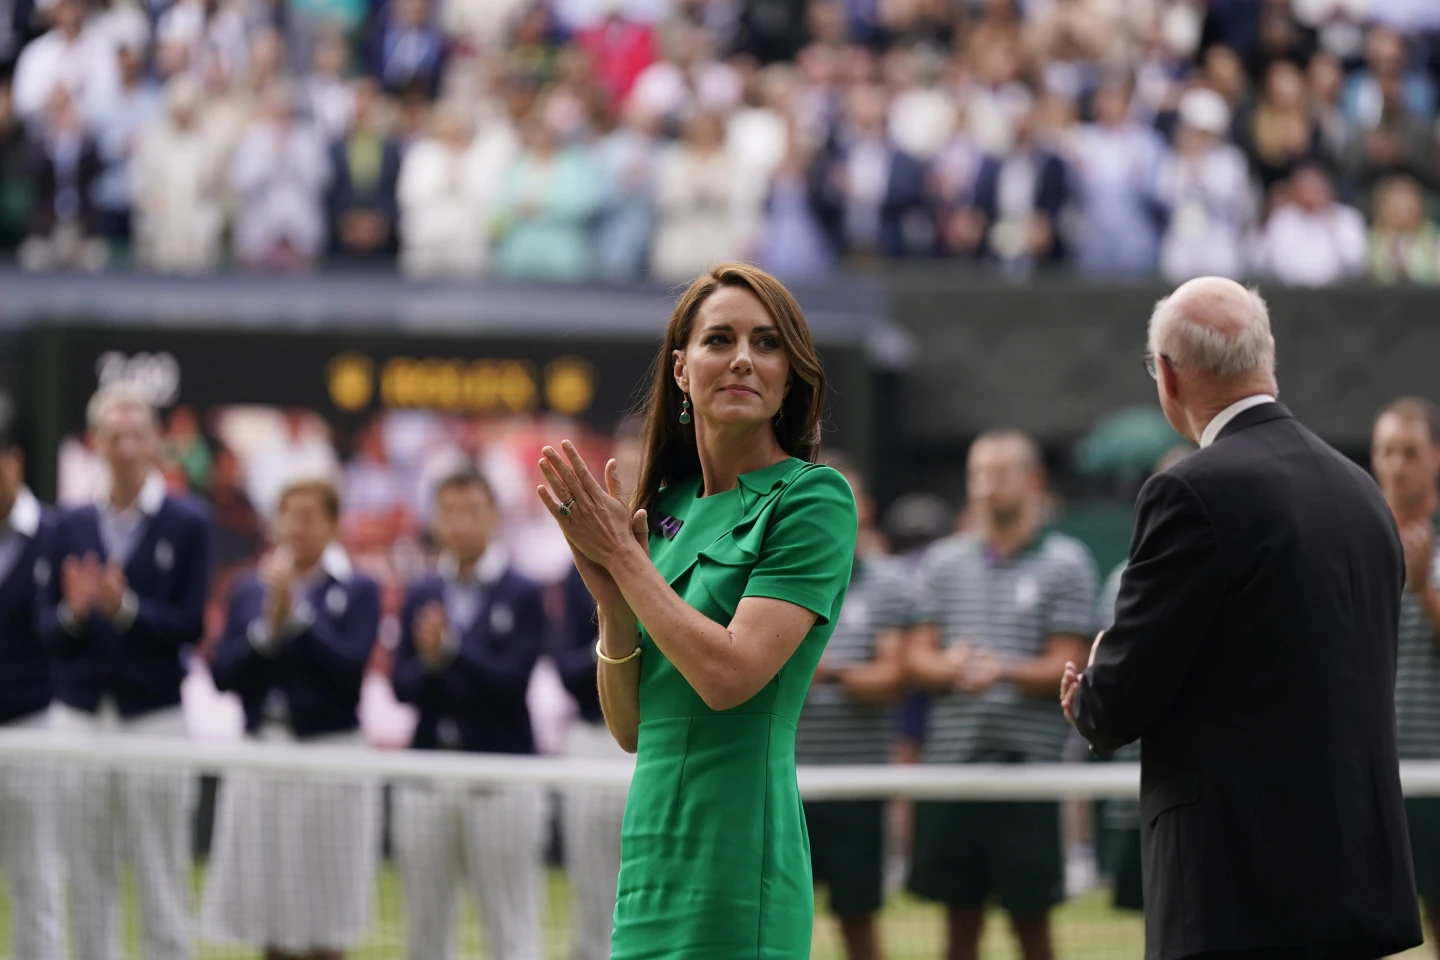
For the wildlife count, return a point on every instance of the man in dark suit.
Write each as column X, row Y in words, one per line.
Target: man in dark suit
column 29, row 860
column 124, row 602
column 1019, row 224
column 869, row 195
column 361, row 201
column 470, row 636
column 1254, row 650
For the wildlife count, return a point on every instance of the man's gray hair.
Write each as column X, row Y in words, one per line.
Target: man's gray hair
column 1203, row 348
column 113, row 396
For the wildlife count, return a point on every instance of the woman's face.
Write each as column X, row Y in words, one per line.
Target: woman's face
column 734, row 368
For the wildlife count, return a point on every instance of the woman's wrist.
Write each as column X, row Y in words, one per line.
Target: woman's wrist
column 619, row 630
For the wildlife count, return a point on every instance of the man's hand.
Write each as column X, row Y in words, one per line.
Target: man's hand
column 80, row 584
column 1419, row 541
column 277, row 572
column 1070, row 683
column 978, row 670
column 110, row 589
column 429, row 627
column 825, row 672
column 1094, row 649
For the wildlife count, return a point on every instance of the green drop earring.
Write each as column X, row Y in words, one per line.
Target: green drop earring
column 685, row 409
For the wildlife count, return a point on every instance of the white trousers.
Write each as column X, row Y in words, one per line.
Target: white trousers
column 142, row 816
column 29, row 852
column 493, row 838
column 590, row 820
column 292, row 866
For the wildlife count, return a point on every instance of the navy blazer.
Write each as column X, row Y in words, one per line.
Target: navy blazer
column 905, row 200
column 169, row 572
column 318, row 670
column 573, row 648
column 482, row 689
column 1052, row 192
column 26, row 684
column 345, row 196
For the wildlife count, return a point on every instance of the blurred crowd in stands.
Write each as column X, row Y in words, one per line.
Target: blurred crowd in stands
column 567, row 140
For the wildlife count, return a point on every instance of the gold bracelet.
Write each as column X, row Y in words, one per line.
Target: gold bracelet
column 611, row 660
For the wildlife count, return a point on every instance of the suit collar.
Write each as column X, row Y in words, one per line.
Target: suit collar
column 335, row 562
column 1261, row 413
column 491, row 567
column 24, row 516
column 1218, row 423
column 149, row 502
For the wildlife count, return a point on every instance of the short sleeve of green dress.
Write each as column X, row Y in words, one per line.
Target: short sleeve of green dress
column 715, row 858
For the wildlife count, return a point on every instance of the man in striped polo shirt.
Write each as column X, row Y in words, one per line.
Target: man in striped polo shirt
column 849, row 718
column 1405, row 455
column 999, row 611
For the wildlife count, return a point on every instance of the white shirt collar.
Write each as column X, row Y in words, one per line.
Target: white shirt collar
column 336, row 563
column 491, row 567
column 1223, row 418
column 24, row 516
column 151, row 498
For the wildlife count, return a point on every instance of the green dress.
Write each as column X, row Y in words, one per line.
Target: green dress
column 715, row 858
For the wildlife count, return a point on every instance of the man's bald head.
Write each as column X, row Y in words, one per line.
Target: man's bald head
column 1214, row 327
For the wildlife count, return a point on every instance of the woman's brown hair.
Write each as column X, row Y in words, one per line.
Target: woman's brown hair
column 670, row 451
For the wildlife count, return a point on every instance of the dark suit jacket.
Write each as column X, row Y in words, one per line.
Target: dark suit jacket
column 573, row 648
column 482, row 689
column 905, row 198
column 1052, row 190
column 46, row 184
column 169, row 570
column 1254, row 650
column 345, row 195
column 319, row 670
column 25, row 664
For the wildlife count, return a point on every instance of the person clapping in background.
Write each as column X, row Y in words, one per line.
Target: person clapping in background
column 470, row 636
column 123, row 606
column 999, row 611
column 298, row 635
column 29, row 856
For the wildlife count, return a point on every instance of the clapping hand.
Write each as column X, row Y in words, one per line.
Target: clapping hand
column 80, row 584
column 1419, row 542
column 1070, row 681
column 1069, row 684
column 277, row 572
column 597, row 523
column 976, row 667
column 110, row 589
column 429, row 626
column 826, row 671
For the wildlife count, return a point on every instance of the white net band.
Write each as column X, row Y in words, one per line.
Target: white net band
column 916, row 781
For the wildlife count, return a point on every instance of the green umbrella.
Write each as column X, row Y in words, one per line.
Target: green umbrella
column 1125, row 445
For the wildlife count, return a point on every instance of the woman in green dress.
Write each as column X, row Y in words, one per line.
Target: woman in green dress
column 718, row 584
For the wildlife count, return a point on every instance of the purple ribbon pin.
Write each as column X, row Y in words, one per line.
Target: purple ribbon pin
column 667, row 526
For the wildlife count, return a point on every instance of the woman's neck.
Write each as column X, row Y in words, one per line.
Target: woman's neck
column 725, row 454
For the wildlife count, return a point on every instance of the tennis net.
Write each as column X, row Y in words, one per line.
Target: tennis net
column 179, row 848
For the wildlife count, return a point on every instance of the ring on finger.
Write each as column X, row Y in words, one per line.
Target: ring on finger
column 565, row 507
